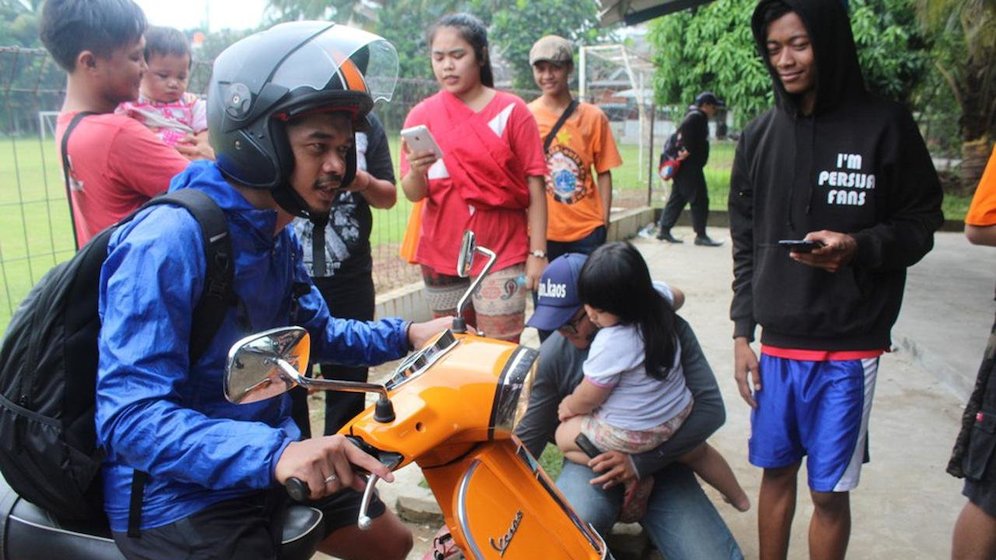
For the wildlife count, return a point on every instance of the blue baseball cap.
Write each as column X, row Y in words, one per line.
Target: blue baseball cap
column 557, row 295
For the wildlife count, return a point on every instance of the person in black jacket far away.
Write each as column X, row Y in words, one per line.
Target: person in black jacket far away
column 833, row 165
column 690, row 183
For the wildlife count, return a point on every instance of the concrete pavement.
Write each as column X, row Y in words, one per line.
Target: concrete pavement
column 906, row 504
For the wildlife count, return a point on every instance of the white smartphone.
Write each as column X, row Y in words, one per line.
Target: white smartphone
column 419, row 139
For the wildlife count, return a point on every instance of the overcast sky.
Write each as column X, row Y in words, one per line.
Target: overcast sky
column 188, row 14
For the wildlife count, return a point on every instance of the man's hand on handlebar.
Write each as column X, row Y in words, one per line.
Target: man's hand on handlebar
column 420, row 333
column 326, row 464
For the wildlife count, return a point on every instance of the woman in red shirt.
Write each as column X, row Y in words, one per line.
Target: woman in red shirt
column 489, row 180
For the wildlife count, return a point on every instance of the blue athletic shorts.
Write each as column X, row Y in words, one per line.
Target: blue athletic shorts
column 818, row 409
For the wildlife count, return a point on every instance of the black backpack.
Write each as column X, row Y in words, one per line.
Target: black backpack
column 672, row 146
column 48, row 368
column 669, row 164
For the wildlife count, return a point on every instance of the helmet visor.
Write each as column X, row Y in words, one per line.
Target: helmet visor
column 361, row 60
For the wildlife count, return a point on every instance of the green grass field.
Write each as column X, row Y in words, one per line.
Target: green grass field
column 34, row 220
column 35, row 233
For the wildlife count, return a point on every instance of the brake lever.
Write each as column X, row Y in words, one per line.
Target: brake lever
column 363, row 520
column 299, row 492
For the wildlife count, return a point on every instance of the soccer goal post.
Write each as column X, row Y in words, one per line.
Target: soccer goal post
column 46, row 123
column 620, row 81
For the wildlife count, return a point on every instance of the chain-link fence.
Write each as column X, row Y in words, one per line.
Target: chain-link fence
column 35, row 230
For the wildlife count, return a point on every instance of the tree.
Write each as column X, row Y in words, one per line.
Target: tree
column 710, row 49
column 404, row 23
column 26, row 72
column 340, row 11
column 964, row 33
column 713, row 48
column 514, row 27
column 19, row 23
column 892, row 49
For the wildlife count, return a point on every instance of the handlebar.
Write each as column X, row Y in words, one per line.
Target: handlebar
column 299, row 491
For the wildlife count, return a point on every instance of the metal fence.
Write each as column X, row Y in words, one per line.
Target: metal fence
column 35, row 230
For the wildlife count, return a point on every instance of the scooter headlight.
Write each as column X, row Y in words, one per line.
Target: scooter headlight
column 512, row 395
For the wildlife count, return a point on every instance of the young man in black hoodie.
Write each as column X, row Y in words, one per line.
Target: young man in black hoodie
column 850, row 173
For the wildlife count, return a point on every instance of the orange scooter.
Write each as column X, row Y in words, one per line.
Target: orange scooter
column 450, row 408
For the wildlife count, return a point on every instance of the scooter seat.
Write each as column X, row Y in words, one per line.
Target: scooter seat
column 302, row 532
column 28, row 531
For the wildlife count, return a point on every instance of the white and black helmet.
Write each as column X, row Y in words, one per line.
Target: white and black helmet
column 291, row 69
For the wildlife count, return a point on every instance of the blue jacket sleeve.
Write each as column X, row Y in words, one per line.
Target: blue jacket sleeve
column 151, row 413
column 346, row 341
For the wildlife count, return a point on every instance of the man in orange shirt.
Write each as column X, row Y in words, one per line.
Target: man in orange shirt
column 975, row 532
column 580, row 155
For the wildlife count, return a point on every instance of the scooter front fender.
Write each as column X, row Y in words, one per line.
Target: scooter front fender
column 498, row 503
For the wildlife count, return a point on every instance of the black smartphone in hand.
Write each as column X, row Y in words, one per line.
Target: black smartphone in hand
column 587, row 446
column 799, row 245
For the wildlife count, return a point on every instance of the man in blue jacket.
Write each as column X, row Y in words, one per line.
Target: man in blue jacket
column 850, row 173
column 282, row 109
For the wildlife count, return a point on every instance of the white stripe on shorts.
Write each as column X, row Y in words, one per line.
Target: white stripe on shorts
column 849, row 480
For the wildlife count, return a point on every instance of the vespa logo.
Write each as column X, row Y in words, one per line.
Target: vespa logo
column 506, row 539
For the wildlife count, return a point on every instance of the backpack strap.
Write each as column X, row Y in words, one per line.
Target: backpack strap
column 138, row 480
column 218, row 294
column 560, row 122
column 65, row 168
column 219, row 290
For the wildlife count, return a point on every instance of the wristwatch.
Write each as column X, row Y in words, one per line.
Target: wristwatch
column 538, row 254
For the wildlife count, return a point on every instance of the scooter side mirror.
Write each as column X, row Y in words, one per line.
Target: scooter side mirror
column 465, row 260
column 267, row 364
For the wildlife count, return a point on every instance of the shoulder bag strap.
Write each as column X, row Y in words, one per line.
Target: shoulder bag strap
column 65, row 168
column 560, row 122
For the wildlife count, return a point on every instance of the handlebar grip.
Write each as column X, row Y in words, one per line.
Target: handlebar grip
column 297, row 489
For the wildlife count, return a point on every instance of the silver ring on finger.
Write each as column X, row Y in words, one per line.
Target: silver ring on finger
column 331, row 479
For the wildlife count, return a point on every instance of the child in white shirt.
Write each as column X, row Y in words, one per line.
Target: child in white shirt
column 633, row 396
